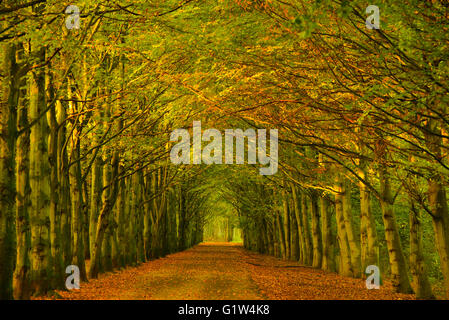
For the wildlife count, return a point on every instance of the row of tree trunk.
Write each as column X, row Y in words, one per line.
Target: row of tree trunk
column 318, row 229
column 57, row 210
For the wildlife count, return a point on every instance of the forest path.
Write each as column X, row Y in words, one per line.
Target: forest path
column 225, row 271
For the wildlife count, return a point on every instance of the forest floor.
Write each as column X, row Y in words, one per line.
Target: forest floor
column 220, row 271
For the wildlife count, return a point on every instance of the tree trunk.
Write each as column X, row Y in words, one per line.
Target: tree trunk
column 105, row 251
column 20, row 282
column 294, row 233
column 352, row 240
column 121, row 219
column 345, row 257
column 137, row 185
column 64, row 207
column 75, row 176
column 328, row 262
column 280, row 235
column 421, row 284
column 110, row 197
column 286, row 224
column 398, row 266
column 40, row 273
column 438, row 202
column 55, row 219
column 296, row 208
column 308, row 253
column 316, row 231
column 147, row 218
column 95, row 200
column 368, row 234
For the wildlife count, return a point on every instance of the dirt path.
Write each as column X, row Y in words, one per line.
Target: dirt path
column 218, row 271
